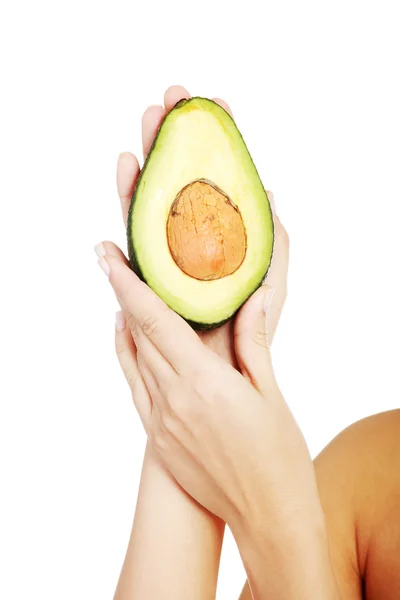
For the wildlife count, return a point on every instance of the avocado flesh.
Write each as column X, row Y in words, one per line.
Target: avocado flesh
column 198, row 140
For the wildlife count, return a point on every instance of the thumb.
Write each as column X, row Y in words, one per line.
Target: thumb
column 251, row 339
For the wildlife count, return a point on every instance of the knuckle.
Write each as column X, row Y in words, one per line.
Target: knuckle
column 131, row 379
column 134, row 327
column 130, row 323
column 149, row 324
column 260, row 338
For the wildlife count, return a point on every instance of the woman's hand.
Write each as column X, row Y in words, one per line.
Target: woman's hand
column 232, row 444
column 165, row 514
column 238, row 342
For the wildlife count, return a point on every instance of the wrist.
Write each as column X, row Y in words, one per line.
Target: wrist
column 288, row 558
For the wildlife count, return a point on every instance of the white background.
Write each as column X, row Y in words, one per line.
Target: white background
column 314, row 89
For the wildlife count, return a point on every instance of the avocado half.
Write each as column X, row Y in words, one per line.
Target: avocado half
column 200, row 227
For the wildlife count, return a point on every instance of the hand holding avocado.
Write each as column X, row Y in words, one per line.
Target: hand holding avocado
column 229, row 440
column 212, row 411
column 210, row 425
column 128, row 174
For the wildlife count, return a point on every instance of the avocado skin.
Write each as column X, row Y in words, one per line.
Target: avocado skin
column 131, row 249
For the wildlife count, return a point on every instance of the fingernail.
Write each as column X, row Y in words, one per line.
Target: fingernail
column 269, row 294
column 103, row 264
column 272, row 202
column 100, row 250
column 120, row 321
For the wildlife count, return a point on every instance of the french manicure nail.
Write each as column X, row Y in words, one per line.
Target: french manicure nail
column 103, row 264
column 100, row 250
column 120, row 320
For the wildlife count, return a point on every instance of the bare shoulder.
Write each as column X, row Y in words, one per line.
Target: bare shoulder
column 358, row 476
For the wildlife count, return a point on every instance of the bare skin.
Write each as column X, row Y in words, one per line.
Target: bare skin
column 356, row 475
column 166, row 517
column 359, row 486
column 183, row 571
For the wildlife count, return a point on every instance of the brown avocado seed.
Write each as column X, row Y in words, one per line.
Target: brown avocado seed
column 205, row 231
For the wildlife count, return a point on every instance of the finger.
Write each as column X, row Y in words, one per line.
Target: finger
column 112, row 249
column 149, row 380
column 277, row 276
column 173, row 337
column 158, row 369
column 151, row 121
column 224, row 105
column 276, row 279
column 127, row 173
column 127, row 357
column 251, row 340
column 252, row 330
column 173, row 95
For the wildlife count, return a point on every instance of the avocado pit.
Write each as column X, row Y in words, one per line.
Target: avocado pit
column 205, row 231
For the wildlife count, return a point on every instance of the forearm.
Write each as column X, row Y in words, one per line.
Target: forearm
column 175, row 544
column 288, row 561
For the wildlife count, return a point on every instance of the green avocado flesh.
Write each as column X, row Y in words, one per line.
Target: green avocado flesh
column 199, row 142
